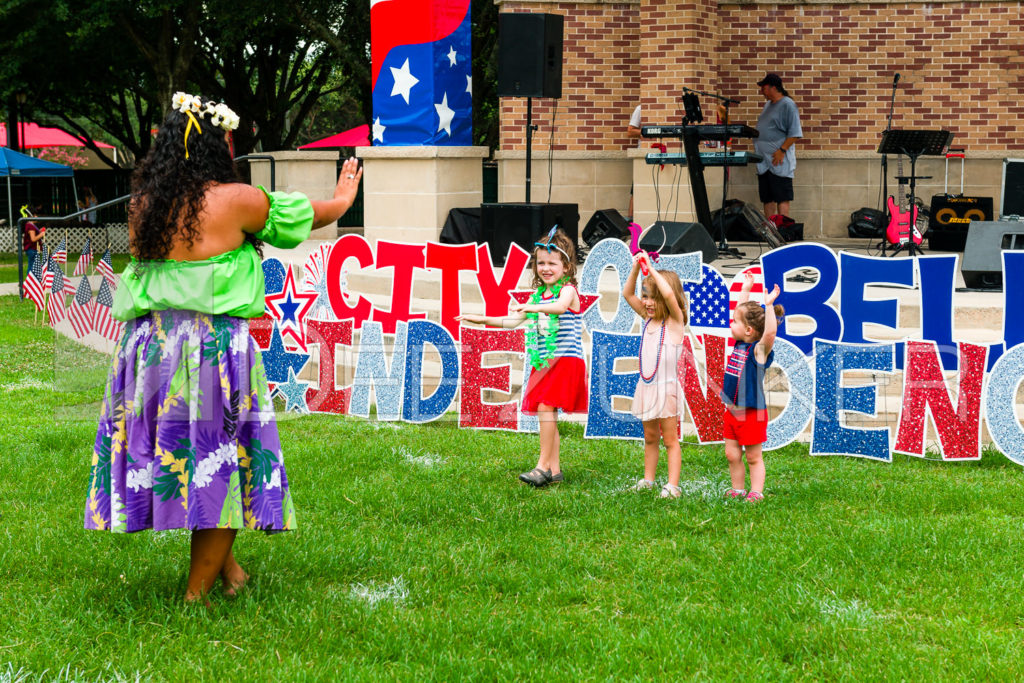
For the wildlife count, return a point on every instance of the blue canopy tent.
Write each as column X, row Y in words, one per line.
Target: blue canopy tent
column 15, row 165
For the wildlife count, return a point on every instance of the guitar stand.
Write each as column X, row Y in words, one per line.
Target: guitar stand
column 912, row 248
column 913, row 143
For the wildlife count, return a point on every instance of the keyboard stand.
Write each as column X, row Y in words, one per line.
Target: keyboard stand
column 695, row 167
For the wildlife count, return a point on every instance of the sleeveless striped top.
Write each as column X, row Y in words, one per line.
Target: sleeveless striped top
column 569, row 340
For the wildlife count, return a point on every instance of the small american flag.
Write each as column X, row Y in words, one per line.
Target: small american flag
column 85, row 260
column 106, row 267
column 60, row 254
column 34, row 284
column 55, row 304
column 48, row 274
column 101, row 321
column 709, row 301
column 80, row 311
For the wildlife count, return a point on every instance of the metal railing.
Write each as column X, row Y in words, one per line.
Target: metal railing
column 20, row 231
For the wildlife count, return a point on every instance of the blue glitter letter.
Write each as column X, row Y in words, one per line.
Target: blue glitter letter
column 813, row 302
column 602, row 419
column 831, row 437
column 415, row 408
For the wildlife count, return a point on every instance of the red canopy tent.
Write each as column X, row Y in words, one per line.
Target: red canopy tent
column 41, row 136
column 355, row 137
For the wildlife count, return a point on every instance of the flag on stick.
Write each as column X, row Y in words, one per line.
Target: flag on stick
column 106, row 267
column 80, row 311
column 51, row 269
column 55, row 304
column 85, row 259
column 102, row 321
column 34, row 284
column 60, row 254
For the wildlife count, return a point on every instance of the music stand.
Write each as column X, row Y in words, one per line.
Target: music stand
column 914, row 143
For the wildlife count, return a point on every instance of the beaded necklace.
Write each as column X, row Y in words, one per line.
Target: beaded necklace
column 538, row 360
column 661, row 343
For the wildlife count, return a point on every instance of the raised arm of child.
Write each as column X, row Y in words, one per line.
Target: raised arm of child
column 629, row 289
column 748, row 284
column 505, row 321
column 771, row 323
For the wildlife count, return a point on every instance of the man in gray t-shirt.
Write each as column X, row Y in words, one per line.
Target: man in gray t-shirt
column 778, row 129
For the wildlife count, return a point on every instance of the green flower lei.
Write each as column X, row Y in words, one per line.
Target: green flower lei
column 537, row 360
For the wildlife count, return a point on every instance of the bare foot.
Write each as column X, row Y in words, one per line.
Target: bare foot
column 192, row 598
column 233, row 577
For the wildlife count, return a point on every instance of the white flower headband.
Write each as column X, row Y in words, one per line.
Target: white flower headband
column 220, row 113
column 191, row 106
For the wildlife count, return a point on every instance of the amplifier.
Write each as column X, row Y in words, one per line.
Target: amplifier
column 951, row 215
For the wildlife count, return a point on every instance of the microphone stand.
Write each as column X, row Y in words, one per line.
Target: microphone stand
column 885, row 165
column 723, row 245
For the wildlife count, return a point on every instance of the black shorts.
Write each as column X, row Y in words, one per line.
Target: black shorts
column 773, row 189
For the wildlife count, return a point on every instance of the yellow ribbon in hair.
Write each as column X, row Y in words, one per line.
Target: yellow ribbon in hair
column 191, row 122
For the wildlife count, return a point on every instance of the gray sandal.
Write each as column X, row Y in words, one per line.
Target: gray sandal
column 537, row 477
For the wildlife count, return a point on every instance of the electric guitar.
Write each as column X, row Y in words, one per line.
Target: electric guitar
column 902, row 222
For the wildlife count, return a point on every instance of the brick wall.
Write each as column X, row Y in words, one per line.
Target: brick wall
column 961, row 66
column 601, row 80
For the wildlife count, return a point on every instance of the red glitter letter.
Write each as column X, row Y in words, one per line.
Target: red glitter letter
column 924, row 387
column 473, row 412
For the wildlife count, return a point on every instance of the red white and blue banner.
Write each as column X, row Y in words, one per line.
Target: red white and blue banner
column 421, row 72
column 831, row 376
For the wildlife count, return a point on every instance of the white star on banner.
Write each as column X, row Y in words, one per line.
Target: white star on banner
column 469, row 84
column 403, row 81
column 445, row 114
column 451, row 55
column 378, row 130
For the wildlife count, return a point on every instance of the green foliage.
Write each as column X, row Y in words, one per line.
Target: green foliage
column 420, row 556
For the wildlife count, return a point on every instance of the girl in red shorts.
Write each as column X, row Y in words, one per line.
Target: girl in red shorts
column 554, row 345
column 746, row 416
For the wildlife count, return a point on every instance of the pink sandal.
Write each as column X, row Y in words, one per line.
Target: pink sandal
column 735, row 493
column 755, row 496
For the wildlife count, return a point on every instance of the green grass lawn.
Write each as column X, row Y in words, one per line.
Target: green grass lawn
column 419, row 556
column 9, row 264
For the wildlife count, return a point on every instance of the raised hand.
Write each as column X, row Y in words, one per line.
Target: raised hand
column 348, row 180
column 770, row 298
column 748, row 281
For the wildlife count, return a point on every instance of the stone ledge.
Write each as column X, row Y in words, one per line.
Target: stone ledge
column 434, row 152
column 571, row 154
column 291, row 155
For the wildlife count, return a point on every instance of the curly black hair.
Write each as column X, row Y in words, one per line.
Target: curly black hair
column 169, row 191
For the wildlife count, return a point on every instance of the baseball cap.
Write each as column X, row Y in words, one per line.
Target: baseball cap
column 771, row 79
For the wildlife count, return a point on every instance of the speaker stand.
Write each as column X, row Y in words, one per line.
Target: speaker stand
column 529, row 143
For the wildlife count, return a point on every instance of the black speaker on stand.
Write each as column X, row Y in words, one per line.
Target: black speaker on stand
column 504, row 223
column 529, row 64
column 603, row 224
column 530, row 55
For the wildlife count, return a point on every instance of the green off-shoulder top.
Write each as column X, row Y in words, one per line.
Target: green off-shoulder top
column 230, row 283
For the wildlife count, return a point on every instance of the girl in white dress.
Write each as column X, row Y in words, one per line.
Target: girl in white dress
column 658, row 400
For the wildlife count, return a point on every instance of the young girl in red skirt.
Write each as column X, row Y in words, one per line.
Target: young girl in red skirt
column 554, row 345
column 746, row 417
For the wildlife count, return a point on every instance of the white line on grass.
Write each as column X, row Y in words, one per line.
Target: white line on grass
column 853, row 612
column 372, row 594
column 419, row 457
column 64, row 675
column 27, row 383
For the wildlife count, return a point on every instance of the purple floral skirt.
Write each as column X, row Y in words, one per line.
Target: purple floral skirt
column 186, row 437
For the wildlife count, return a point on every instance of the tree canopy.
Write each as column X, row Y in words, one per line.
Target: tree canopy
column 107, row 68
